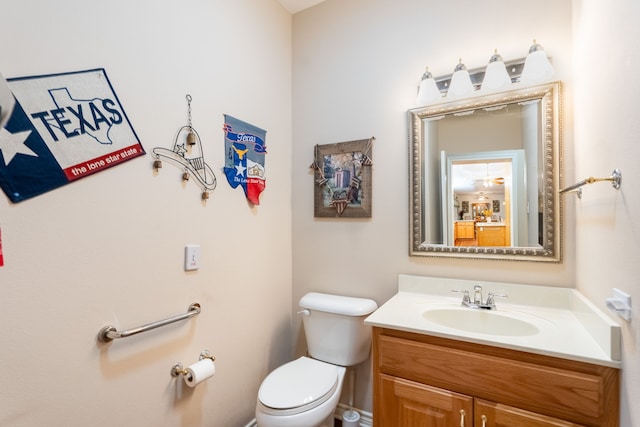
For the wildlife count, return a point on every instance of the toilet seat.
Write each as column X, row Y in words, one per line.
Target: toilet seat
column 298, row 386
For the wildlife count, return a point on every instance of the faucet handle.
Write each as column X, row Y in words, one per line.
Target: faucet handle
column 491, row 296
column 465, row 295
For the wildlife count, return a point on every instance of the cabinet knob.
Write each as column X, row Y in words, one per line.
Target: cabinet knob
column 462, row 417
column 484, row 420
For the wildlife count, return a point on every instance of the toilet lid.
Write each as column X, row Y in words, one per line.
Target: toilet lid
column 298, row 383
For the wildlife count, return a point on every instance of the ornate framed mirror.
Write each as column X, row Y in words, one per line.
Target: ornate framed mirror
column 484, row 176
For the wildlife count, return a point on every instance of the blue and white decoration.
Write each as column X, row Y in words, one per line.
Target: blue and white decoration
column 63, row 127
column 244, row 157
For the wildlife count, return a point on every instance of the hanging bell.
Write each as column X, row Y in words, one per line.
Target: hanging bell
column 191, row 137
column 205, row 195
column 185, row 176
column 157, row 164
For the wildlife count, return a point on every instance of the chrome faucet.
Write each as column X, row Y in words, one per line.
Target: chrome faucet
column 477, row 295
column 477, row 301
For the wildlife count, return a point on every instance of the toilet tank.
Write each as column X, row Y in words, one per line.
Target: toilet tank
column 335, row 329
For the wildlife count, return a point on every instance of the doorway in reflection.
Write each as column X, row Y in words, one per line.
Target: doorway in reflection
column 492, row 185
column 482, row 202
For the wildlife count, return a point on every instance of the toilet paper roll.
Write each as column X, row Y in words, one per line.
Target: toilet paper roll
column 199, row 372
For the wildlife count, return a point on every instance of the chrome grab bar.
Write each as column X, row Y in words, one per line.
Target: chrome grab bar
column 109, row 333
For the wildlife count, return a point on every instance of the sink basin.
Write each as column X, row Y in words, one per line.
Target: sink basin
column 547, row 320
column 481, row 321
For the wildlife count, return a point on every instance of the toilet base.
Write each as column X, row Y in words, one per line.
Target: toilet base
column 330, row 421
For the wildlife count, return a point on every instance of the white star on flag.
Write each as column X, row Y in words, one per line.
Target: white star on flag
column 240, row 170
column 13, row 143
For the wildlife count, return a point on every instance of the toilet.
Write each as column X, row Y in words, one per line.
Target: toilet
column 306, row 391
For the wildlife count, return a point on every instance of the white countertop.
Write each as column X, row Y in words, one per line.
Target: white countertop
column 490, row 224
column 569, row 326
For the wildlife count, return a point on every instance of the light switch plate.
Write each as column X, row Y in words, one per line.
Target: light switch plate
column 191, row 257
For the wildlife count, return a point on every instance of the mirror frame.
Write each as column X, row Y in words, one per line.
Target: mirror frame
column 549, row 95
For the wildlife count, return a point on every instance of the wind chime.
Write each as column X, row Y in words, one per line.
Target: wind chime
column 340, row 199
column 187, row 153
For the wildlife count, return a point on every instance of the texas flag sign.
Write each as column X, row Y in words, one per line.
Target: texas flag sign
column 244, row 157
column 63, row 127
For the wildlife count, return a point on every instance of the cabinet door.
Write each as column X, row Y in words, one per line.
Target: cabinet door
column 468, row 230
column 491, row 235
column 490, row 414
column 406, row 403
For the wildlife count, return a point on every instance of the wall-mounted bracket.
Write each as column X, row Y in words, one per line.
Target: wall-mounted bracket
column 615, row 178
column 620, row 304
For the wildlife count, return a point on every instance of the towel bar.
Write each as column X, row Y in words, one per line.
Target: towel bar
column 615, row 178
column 109, row 333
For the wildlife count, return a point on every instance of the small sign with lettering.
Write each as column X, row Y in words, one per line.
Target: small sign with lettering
column 63, row 127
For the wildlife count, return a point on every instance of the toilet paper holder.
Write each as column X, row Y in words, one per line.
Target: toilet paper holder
column 179, row 369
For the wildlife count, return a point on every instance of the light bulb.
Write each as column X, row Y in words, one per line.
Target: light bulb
column 537, row 67
column 461, row 85
column 428, row 92
column 496, row 76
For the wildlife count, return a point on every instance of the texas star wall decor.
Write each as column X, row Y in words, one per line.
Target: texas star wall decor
column 245, row 150
column 63, row 127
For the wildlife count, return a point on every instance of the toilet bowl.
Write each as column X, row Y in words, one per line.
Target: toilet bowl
column 306, row 391
column 301, row 393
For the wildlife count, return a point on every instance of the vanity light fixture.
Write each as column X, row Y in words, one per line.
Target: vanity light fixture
column 537, row 67
column 428, row 91
column 461, row 85
column 496, row 76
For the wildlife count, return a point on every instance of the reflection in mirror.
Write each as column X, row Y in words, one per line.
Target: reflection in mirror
column 484, row 176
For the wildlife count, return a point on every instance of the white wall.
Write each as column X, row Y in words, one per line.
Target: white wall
column 357, row 64
column 607, row 128
column 108, row 249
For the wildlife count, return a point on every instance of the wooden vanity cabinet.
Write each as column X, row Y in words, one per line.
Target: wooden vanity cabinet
column 408, row 403
column 492, row 235
column 496, row 415
column 464, row 230
column 426, row 381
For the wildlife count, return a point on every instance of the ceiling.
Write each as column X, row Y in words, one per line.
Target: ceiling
column 294, row 6
column 480, row 177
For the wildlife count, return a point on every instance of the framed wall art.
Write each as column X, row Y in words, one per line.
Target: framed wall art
column 342, row 174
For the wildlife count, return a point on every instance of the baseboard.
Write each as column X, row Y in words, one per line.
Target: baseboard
column 366, row 418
